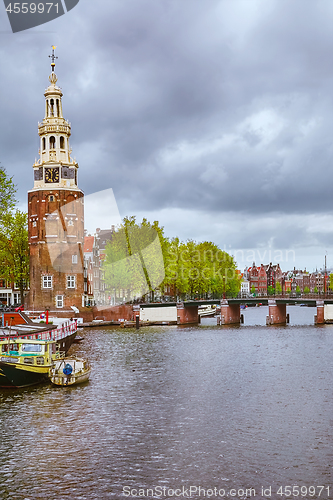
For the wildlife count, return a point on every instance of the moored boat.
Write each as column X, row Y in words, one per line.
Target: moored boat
column 18, row 325
column 69, row 371
column 25, row 362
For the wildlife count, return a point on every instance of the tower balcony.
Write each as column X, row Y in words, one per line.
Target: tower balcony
column 44, row 129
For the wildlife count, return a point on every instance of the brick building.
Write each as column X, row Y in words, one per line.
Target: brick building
column 257, row 277
column 274, row 275
column 55, row 215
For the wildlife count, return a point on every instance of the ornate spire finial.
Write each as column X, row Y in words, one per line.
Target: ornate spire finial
column 53, row 57
column 53, row 77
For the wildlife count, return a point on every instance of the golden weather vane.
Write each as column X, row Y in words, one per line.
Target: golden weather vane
column 53, row 57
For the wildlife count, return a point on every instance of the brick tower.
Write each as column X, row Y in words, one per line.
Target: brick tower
column 56, row 214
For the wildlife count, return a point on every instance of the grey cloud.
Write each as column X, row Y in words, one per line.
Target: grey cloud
column 211, row 106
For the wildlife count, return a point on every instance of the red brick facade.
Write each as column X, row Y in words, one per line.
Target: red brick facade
column 56, row 249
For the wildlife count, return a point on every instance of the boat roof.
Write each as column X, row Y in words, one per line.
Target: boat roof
column 18, row 340
column 25, row 329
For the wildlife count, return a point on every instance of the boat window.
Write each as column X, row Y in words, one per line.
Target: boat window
column 32, row 348
column 12, row 347
column 28, row 361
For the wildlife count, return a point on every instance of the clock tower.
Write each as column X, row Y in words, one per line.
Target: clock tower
column 55, row 214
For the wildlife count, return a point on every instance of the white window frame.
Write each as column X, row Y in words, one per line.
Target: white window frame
column 47, row 281
column 59, row 301
column 74, row 259
column 71, row 281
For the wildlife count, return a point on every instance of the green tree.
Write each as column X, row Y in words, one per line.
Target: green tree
column 134, row 262
column 202, row 269
column 270, row 290
column 253, row 289
column 278, row 288
column 306, row 290
column 7, row 196
column 298, row 290
column 315, row 290
column 14, row 250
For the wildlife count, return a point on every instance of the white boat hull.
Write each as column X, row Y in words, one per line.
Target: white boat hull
column 79, row 371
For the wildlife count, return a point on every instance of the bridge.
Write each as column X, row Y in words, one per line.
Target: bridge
column 187, row 311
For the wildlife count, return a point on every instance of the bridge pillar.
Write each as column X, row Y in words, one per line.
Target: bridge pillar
column 320, row 316
column 230, row 313
column 276, row 313
column 187, row 315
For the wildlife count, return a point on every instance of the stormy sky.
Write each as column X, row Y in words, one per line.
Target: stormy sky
column 212, row 116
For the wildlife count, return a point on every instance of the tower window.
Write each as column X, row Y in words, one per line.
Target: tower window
column 51, row 197
column 51, row 107
column 58, row 113
column 60, row 301
column 52, row 142
column 47, row 281
column 62, row 142
column 70, row 281
column 44, row 143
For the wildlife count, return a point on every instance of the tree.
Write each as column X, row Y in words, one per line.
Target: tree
column 315, row 290
column 253, row 290
column 306, row 290
column 7, row 196
column 14, row 250
column 201, row 269
column 270, row 290
column 134, row 261
column 278, row 288
column 298, row 290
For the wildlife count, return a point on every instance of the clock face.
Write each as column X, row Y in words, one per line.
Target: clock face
column 52, row 175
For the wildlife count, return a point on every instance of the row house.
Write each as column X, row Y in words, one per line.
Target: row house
column 9, row 293
column 88, row 270
column 274, row 275
column 94, row 255
column 316, row 282
column 257, row 277
column 263, row 276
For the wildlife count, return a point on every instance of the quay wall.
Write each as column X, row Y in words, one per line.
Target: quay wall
column 114, row 313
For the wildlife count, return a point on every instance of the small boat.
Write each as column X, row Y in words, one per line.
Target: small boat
column 207, row 311
column 69, row 371
column 25, row 362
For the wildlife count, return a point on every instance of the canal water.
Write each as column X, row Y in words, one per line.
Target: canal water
column 169, row 412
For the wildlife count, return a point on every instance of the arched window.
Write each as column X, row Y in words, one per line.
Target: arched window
column 52, row 142
column 62, row 142
column 58, row 112
column 44, row 143
column 51, row 107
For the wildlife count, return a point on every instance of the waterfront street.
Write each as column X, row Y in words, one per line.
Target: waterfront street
column 226, row 407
